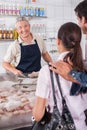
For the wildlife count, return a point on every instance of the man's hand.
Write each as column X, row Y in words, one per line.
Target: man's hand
column 12, row 69
column 16, row 71
column 61, row 68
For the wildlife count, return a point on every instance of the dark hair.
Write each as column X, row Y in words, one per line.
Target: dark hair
column 81, row 9
column 70, row 34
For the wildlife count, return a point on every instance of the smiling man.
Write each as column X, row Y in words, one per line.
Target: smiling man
column 24, row 55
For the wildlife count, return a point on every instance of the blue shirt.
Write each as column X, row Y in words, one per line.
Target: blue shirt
column 82, row 79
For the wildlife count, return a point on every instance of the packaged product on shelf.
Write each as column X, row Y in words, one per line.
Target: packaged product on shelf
column 43, row 12
column 27, row 11
column 18, row 10
column 0, row 8
column 14, row 9
column 7, row 35
column 40, row 11
column 4, row 33
column 1, row 12
column 11, row 33
column 33, row 28
column 3, row 9
column 9, row 10
column 0, row 33
column 36, row 11
column 6, row 9
column 22, row 11
column 32, row 11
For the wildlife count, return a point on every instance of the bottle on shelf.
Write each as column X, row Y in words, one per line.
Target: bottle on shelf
column 7, row 35
column 18, row 11
column 22, row 10
column 0, row 33
column 33, row 28
column 0, row 8
column 4, row 33
column 43, row 12
column 10, row 11
column 27, row 11
column 6, row 9
column 3, row 9
column 36, row 11
column 11, row 34
column 13, row 9
column 32, row 11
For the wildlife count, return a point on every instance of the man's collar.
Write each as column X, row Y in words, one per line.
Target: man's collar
column 20, row 40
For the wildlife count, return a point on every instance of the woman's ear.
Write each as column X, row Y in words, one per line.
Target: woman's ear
column 58, row 41
column 83, row 20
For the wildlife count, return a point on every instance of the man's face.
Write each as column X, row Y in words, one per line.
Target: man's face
column 82, row 25
column 23, row 29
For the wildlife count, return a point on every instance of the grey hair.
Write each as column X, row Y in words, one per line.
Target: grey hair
column 21, row 18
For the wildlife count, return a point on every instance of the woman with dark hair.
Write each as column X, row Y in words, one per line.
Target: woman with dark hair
column 66, row 70
column 71, row 41
column 68, row 42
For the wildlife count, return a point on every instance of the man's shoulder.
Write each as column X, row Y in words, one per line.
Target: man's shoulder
column 14, row 44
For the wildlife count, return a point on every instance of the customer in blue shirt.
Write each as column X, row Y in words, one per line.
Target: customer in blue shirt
column 66, row 70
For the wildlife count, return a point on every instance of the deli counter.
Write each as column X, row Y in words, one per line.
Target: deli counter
column 17, row 96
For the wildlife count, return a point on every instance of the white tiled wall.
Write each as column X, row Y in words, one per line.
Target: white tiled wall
column 60, row 11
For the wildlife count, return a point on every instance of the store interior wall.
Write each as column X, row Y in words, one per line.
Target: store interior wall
column 57, row 12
